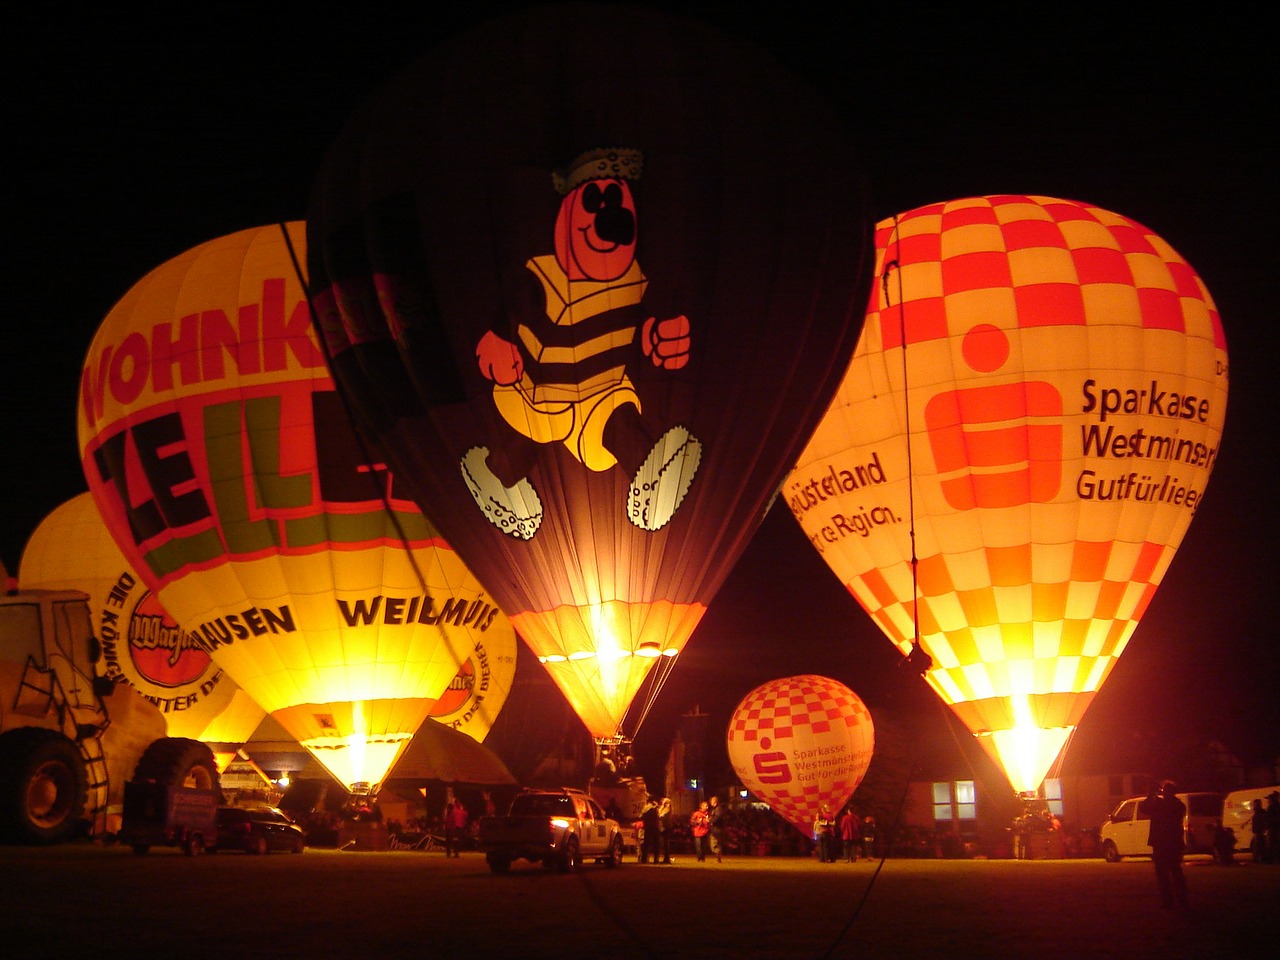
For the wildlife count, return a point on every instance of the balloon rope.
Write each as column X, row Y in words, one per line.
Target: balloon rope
column 340, row 389
column 1055, row 771
column 648, row 695
column 896, row 266
column 887, row 844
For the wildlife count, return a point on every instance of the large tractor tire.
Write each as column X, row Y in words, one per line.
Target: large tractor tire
column 43, row 787
column 179, row 762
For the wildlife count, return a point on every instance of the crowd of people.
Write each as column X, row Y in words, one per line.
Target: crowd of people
column 850, row 837
column 715, row 830
column 1035, row 835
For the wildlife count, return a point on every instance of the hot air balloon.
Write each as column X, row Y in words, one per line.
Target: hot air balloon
column 224, row 465
column 801, row 744
column 591, row 274
column 1032, row 413
column 141, row 644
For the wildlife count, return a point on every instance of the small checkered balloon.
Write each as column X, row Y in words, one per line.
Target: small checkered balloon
column 801, row 743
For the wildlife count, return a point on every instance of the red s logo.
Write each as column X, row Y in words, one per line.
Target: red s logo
column 772, row 767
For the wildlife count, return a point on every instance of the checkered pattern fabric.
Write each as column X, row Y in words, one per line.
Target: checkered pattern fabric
column 800, row 743
column 1011, row 401
column 1051, row 262
column 1004, row 633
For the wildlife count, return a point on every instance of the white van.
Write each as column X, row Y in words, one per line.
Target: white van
column 1237, row 812
column 1125, row 832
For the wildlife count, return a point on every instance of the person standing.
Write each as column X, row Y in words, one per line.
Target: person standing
column 824, row 833
column 867, row 840
column 1167, row 840
column 1021, row 828
column 1258, row 824
column 849, row 830
column 664, row 829
column 650, row 825
column 455, row 826
column 1273, row 827
column 700, row 827
column 606, row 772
column 715, row 821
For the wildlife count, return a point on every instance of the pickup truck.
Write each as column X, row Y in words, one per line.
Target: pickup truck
column 559, row 828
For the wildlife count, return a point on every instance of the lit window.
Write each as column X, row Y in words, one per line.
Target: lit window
column 942, row 803
column 954, row 801
column 1053, row 796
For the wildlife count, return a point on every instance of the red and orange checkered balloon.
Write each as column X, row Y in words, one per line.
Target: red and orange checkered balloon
column 1039, row 391
column 800, row 744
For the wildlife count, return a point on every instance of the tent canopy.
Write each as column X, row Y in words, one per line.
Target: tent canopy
column 436, row 752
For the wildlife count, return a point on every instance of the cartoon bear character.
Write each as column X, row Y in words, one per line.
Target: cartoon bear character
column 564, row 379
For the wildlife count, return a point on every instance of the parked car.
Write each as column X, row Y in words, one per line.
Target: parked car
column 1125, row 832
column 258, row 830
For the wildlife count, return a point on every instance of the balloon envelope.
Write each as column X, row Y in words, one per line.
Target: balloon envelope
column 142, row 645
column 1041, row 385
column 801, row 744
column 223, row 463
column 591, row 273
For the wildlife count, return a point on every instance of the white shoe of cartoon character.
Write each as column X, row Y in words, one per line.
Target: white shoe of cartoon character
column 663, row 479
column 516, row 510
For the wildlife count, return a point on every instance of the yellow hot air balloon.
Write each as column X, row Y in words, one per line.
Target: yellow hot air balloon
column 1033, row 411
column 222, row 461
column 142, row 646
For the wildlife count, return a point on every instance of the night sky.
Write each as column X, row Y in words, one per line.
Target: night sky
column 131, row 140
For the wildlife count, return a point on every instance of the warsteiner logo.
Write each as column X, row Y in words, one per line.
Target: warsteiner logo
column 161, row 651
column 457, row 693
column 466, row 691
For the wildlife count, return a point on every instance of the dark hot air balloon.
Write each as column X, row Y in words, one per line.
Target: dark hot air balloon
column 590, row 274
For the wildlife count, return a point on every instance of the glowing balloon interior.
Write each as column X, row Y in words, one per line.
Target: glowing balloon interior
column 574, row 272
column 142, row 646
column 223, row 463
column 1041, row 384
column 801, row 744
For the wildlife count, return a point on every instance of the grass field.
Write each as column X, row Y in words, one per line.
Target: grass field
column 89, row 901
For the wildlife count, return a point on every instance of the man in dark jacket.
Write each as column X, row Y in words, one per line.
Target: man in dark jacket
column 664, row 829
column 715, row 820
column 652, row 825
column 1167, row 841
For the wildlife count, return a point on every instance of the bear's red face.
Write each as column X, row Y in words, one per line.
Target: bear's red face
column 596, row 230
